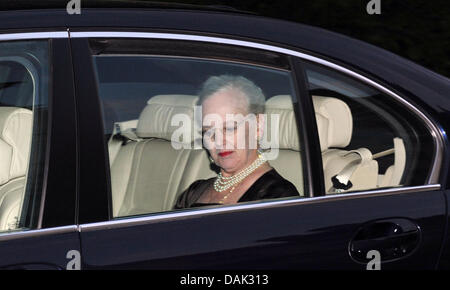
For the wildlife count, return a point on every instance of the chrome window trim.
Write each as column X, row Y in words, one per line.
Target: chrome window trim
column 33, row 35
column 143, row 220
column 436, row 133
column 176, row 215
column 432, row 182
column 21, row 234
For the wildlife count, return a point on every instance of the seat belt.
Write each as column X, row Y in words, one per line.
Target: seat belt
column 397, row 168
column 399, row 161
column 119, row 138
column 341, row 181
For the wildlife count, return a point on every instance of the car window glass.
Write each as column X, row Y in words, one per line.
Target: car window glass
column 368, row 139
column 24, row 67
column 168, row 134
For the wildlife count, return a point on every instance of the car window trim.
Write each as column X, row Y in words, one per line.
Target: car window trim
column 182, row 214
column 432, row 180
column 432, row 183
column 33, row 35
column 157, row 217
column 436, row 133
column 8, row 236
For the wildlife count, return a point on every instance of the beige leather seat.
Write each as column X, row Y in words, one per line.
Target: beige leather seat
column 147, row 174
column 335, row 127
column 394, row 173
column 15, row 139
column 288, row 162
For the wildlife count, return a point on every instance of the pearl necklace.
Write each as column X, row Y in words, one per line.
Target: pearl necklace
column 223, row 183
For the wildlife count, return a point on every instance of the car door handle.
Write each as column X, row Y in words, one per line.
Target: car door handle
column 393, row 239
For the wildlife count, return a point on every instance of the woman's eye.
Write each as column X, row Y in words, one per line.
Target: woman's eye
column 208, row 134
column 230, row 129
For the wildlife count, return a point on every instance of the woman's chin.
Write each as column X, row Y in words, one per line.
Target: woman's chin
column 228, row 165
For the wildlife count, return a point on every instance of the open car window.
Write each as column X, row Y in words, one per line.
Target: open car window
column 24, row 69
column 155, row 130
column 368, row 139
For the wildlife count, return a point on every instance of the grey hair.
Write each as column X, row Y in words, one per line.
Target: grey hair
column 254, row 94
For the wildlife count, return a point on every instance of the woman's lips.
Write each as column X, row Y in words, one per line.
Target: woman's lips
column 225, row 153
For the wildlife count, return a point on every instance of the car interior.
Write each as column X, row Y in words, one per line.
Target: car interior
column 16, row 123
column 140, row 186
column 148, row 174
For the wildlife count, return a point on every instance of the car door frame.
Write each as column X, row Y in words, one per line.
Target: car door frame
column 53, row 242
column 434, row 204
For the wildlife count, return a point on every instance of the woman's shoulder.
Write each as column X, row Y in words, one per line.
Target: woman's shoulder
column 192, row 193
column 200, row 183
column 273, row 185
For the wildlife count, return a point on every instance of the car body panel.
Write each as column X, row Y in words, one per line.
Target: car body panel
column 298, row 236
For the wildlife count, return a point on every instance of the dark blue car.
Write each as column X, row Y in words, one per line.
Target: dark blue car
column 90, row 175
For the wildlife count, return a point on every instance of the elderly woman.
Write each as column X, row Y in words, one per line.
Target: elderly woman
column 244, row 174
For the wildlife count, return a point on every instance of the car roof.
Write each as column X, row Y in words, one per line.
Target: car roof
column 124, row 4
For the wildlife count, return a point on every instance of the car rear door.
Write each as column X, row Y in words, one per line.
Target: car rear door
column 400, row 226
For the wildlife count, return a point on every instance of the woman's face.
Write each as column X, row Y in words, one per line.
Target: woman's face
column 230, row 150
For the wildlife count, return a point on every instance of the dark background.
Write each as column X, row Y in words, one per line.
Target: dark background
column 418, row 30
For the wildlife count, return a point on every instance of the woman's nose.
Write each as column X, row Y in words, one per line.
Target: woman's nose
column 220, row 139
column 225, row 140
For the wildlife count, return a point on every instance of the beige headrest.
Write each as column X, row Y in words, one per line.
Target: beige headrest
column 288, row 133
column 156, row 118
column 16, row 126
column 334, row 122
